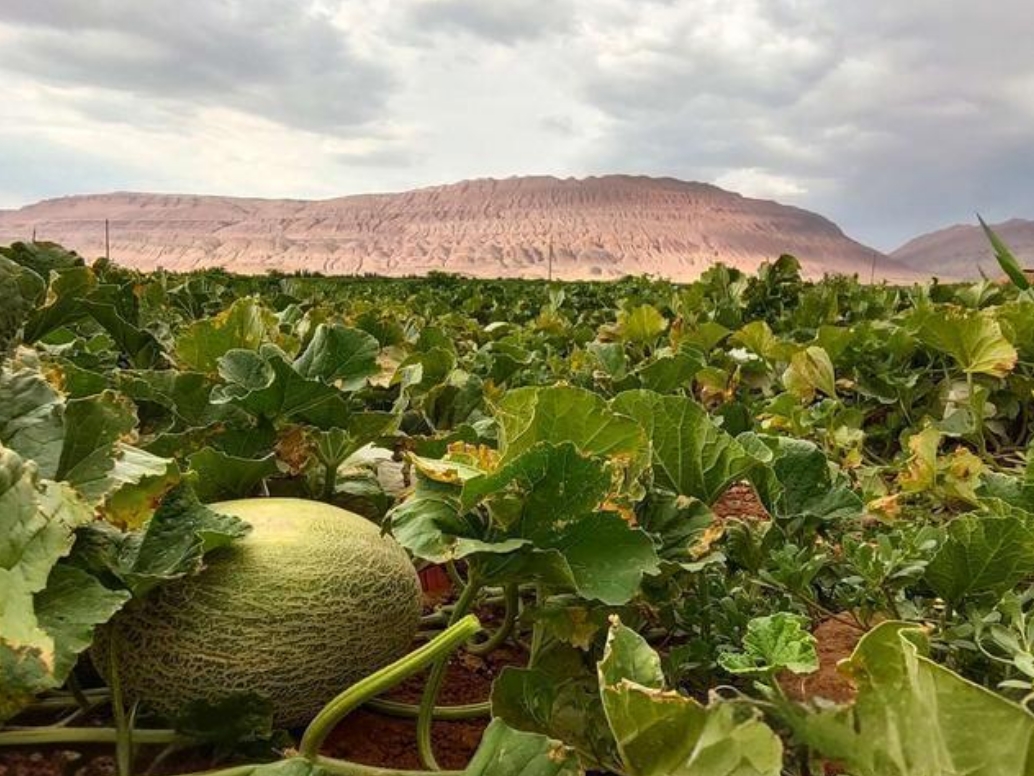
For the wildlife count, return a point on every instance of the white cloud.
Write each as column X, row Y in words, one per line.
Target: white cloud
column 753, row 182
column 890, row 117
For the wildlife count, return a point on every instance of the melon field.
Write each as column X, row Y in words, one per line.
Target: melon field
column 308, row 526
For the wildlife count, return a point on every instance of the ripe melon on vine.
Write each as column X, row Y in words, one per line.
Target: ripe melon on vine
column 313, row 599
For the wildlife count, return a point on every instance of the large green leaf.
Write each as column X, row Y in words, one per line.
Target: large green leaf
column 244, row 325
column 222, row 477
column 546, row 505
column 810, row 372
column 68, row 288
column 37, row 524
column 139, row 345
column 31, row 417
column 507, row 752
column 913, row 717
column 691, row 455
column 797, row 483
column 972, row 338
column 172, row 544
column 559, row 698
column 641, row 325
column 93, row 426
column 339, row 355
column 265, row 385
column 663, row 733
column 982, row 554
column 559, row 414
column 21, row 291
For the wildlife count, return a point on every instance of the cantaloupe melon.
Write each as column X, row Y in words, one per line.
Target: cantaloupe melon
column 313, row 599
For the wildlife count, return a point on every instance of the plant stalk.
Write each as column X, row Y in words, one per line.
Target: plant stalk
column 412, row 710
column 503, row 632
column 376, row 683
column 425, row 716
column 43, row 736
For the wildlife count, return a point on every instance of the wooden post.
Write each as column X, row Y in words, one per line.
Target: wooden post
column 34, row 234
column 107, row 241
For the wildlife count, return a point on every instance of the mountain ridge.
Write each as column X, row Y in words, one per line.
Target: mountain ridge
column 596, row 227
column 963, row 250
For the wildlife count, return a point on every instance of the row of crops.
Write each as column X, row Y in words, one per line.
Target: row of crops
column 564, row 453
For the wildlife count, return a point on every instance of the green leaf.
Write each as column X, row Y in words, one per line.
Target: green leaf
column 972, row 338
column 135, row 485
column 551, row 496
column 797, row 484
column 982, row 554
column 266, row 386
column 641, row 325
column 222, row 477
column 141, row 347
column 1010, row 266
column 37, row 521
column 913, row 717
column 69, row 608
column 774, row 643
column 608, row 559
column 663, row 733
column 339, row 355
column 172, row 544
column 810, row 372
column 507, row 752
column 244, row 325
column 31, row 417
column 21, row 291
column 668, row 374
column 757, row 336
column 64, row 303
column 559, row 414
column 691, row 455
column 559, row 698
column 93, row 425
column 183, row 395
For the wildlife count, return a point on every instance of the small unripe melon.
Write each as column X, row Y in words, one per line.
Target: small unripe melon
column 313, row 599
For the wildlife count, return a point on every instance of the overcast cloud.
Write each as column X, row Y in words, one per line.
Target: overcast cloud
column 891, row 117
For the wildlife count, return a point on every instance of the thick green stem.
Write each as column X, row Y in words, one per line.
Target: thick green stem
column 503, row 631
column 329, row 480
column 376, row 683
column 43, row 736
column 449, row 713
column 434, row 681
column 538, row 632
column 123, row 726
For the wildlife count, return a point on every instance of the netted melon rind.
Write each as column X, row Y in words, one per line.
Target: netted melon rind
column 311, row 601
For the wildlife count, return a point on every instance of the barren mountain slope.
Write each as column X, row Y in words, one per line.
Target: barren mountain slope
column 597, row 228
column 961, row 251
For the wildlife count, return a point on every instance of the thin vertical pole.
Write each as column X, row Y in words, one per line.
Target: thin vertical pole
column 107, row 241
column 550, row 259
column 872, row 270
column 34, row 234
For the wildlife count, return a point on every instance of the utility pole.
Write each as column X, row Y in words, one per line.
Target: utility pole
column 34, row 234
column 550, row 259
column 872, row 270
column 107, row 241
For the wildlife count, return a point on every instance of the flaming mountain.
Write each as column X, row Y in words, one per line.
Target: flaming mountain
column 592, row 228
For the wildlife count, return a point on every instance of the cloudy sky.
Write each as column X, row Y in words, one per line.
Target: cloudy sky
column 892, row 117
